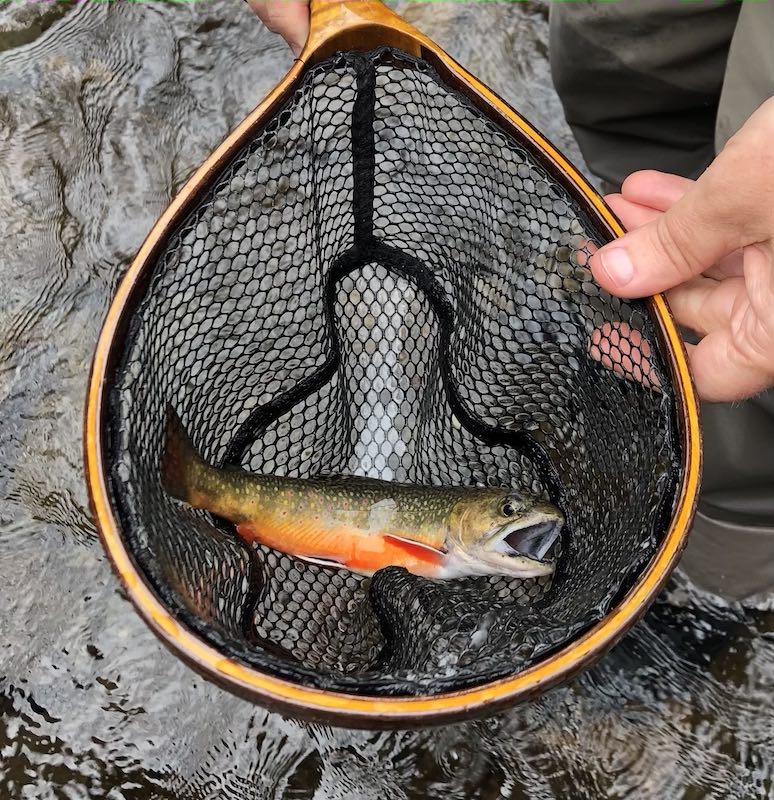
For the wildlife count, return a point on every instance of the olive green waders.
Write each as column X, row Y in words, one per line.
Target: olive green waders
column 662, row 84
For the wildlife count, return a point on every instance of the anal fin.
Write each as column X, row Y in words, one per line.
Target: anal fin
column 321, row 562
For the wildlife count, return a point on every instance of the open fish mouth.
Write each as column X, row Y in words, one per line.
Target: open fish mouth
column 534, row 541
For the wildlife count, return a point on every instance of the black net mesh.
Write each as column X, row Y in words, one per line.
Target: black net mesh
column 385, row 283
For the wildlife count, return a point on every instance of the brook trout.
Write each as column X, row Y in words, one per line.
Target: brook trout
column 364, row 524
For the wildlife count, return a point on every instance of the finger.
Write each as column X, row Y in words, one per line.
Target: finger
column 658, row 190
column 705, row 305
column 732, row 266
column 759, row 279
column 632, row 215
column 705, row 225
column 288, row 18
column 625, row 351
column 737, row 361
column 722, row 373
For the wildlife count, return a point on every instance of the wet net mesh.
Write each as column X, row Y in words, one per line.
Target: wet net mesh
column 385, row 283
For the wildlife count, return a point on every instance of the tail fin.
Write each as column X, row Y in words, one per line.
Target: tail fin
column 180, row 462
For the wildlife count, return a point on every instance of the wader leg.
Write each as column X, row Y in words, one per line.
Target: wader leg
column 640, row 81
column 749, row 78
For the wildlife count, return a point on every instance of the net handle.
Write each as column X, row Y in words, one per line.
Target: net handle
column 356, row 25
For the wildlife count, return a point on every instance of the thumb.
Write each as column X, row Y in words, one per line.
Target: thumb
column 688, row 238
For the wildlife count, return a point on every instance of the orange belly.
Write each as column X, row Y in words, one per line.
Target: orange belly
column 361, row 552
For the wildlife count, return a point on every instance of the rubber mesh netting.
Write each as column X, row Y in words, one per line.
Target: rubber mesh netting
column 385, row 283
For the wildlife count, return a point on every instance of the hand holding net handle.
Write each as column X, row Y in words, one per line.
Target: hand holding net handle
column 356, row 25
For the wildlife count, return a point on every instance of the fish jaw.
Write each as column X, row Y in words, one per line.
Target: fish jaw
column 495, row 554
column 460, row 564
column 532, row 536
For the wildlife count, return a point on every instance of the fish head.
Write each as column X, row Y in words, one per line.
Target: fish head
column 502, row 532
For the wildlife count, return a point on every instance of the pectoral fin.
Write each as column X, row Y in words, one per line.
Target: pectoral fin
column 418, row 550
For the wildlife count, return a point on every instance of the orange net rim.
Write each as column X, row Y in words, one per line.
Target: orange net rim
column 356, row 709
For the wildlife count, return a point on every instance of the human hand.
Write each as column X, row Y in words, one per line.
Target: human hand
column 288, row 18
column 710, row 244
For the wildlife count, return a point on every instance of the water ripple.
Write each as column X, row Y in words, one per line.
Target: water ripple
column 105, row 110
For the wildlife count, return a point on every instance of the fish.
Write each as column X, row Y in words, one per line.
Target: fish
column 365, row 524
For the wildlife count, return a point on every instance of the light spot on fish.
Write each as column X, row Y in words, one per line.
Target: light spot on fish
column 381, row 513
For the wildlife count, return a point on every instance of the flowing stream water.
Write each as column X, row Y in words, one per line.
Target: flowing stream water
column 105, row 110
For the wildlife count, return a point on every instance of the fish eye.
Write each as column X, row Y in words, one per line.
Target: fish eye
column 511, row 505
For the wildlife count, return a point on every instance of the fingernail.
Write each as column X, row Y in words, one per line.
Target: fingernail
column 617, row 265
